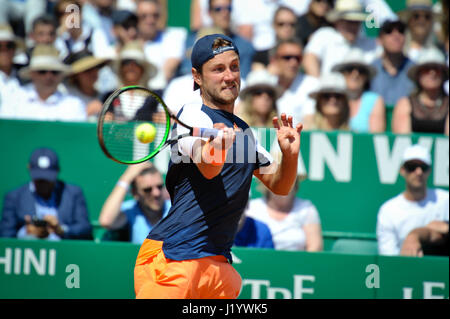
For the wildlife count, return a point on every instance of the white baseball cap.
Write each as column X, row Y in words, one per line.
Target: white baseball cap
column 417, row 152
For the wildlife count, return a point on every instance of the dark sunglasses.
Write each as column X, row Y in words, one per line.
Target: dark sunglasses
column 7, row 45
column 330, row 2
column 390, row 28
column 287, row 24
column 222, row 8
column 412, row 166
column 42, row 72
column 418, row 16
column 149, row 15
column 290, row 57
column 327, row 96
column 262, row 91
column 148, row 190
column 350, row 69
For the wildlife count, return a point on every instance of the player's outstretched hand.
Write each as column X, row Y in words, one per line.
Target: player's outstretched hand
column 288, row 136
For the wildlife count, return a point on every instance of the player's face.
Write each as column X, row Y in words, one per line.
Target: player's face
column 220, row 79
column 149, row 189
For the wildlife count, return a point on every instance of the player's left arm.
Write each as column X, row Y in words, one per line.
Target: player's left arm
column 281, row 178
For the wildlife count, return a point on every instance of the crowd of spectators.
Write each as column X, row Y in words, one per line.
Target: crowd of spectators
column 312, row 59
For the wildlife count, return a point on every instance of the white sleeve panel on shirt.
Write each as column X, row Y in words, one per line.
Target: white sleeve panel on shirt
column 191, row 115
column 319, row 41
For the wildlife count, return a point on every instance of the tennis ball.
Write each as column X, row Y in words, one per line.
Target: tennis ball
column 145, row 133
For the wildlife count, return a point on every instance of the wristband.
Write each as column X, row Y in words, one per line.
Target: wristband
column 124, row 185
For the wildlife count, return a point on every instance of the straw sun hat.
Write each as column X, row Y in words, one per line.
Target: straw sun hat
column 331, row 83
column 261, row 80
column 430, row 58
column 133, row 51
column 83, row 61
column 45, row 58
column 350, row 10
column 415, row 5
column 355, row 58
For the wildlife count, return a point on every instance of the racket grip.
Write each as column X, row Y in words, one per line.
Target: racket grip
column 206, row 132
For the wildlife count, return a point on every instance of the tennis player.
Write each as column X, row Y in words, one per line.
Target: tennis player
column 188, row 253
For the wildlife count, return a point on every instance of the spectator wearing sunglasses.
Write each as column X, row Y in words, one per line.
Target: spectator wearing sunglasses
column 419, row 18
column 329, row 45
column 367, row 110
column 392, row 81
column 45, row 98
column 285, row 62
column 131, row 220
column 417, row 206
column 332, row 106
column 426, row 110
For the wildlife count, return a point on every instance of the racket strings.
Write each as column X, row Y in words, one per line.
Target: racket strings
column 128, row 110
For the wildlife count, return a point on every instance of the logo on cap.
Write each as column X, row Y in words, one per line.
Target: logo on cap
column 43, row 162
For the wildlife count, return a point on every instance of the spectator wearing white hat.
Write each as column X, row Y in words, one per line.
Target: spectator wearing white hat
column 258, row 104
column 426, row 109
column 332, row 108
column 9, row 82
column 329, row 45
column 367, row 110
column 45, row 98
column 420, row 18
column 417, row 206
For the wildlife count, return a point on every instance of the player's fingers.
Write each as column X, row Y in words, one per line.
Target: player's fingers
column 276, row 123
column 284, row 121
column 299, row 128
column 290, row 120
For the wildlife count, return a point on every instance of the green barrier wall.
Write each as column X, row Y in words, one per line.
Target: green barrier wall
column 81, row 269
column 349, row 175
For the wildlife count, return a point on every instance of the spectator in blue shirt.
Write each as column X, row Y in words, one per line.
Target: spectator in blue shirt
column 137, row 216
column 392, row 81
column 253, row 233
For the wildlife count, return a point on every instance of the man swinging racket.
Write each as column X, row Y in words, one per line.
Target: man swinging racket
column 188, row 253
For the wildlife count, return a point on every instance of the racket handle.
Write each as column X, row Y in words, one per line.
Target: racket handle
column 206, row 132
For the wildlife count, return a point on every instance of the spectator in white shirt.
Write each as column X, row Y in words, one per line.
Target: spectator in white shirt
column 416, row 207
column 329, row 45
column 163, row 48
column 9, row 83
column 45, row 98
column 296, row 86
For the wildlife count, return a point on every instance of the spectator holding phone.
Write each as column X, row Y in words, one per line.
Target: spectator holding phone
column 45, row 208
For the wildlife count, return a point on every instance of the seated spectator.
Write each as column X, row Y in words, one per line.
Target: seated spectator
column 164, row 48
column 258, row 104
column 253, row 233
column 415, row 207
column 46, row 207
column 21, row 13
column 43, row 32
column 98, row 16
column 332, row 106
column 133, row 69
column 420, row 18
column 296, row 86
column 140, row 214
column 45, row 98
column 73, row 34
column 220, row 12
column 432, row 239
column 283, row 22
column 294, row 222
column 313, row 19
column 391, row 81
column 425, row 110
column 9, row 82
column 367, row 111
column 82, row 82
column 329, row 45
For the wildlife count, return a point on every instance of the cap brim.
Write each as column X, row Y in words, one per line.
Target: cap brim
column 340, row 67
column 45, row 174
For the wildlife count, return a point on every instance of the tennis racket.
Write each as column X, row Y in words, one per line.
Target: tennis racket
column 122, row 113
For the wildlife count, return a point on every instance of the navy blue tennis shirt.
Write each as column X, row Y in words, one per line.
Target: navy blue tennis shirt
column 204, row 216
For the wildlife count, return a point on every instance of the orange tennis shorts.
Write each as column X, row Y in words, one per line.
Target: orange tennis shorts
column 157, row 277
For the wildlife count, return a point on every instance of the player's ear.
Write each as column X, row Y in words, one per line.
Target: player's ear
column 197, row 76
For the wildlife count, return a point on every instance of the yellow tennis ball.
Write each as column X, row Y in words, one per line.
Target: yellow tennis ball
column 145, row 133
